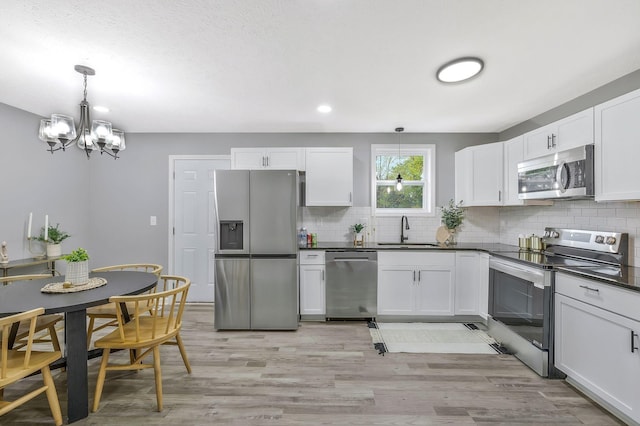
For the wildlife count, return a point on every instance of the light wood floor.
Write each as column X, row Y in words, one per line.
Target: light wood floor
column 322, row 374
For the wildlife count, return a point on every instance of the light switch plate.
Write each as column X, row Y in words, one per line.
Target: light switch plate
column 153, row 221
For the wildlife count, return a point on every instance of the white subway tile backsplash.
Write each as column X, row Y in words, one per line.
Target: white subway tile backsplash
column 482, row 224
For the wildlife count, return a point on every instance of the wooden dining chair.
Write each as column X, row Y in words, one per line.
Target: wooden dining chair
column 108, row 311
column 17, row 364
column 168, row 282
column 43, row 322
column 144, row 334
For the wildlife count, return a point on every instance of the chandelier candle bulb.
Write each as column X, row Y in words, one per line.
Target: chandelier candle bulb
column 29, row 226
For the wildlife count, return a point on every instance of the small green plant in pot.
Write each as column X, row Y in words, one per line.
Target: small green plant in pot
column 54, row 237
column 357, row 228
column 358, row 238
column 452, row 216
column 77, row 267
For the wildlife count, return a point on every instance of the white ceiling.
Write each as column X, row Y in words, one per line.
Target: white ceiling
column 264, row 66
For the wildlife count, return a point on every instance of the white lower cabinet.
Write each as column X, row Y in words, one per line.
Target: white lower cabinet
column 472, row 283
column 312, row 283
column 416, row 283
column 596, row 346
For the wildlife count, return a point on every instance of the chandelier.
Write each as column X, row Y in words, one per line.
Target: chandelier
column 59, row 131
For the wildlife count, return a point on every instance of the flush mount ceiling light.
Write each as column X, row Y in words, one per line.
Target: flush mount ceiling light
column 460, row 70
column 59, row 131
column 325, row 109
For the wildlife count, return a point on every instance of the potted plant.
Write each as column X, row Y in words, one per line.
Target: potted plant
column 452, row 216
column 53, row 237
column 77, row 267
column 357, row 229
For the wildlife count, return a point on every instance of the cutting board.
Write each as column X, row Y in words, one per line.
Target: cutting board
column 442, row 234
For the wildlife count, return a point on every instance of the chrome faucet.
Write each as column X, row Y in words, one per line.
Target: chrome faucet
column 404, row 224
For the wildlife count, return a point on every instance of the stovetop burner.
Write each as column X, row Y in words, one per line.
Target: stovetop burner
column 593, row 253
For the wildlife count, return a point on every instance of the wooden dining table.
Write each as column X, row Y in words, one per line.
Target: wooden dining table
column 22, row 296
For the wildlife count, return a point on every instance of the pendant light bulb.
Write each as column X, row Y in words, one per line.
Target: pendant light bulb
column 399, row 178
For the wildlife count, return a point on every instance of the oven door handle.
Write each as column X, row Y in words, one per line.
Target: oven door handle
column 536, row 277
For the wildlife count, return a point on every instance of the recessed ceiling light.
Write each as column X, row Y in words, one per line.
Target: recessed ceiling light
column 325, row 109
column 459, row 70
column 100, row 108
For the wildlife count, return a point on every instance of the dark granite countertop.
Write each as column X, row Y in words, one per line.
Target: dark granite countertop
column 626, row 277
column 488, row 247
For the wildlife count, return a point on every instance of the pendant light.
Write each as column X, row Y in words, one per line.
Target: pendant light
column 399, row 178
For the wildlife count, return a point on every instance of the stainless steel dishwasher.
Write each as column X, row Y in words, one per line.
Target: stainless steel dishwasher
column 351, row 284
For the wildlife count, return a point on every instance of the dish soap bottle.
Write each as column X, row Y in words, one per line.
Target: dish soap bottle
column 302, row 237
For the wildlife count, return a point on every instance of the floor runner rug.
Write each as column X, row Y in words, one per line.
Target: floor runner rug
column 454, row 338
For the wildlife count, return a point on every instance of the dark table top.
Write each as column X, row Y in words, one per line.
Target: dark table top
column 22, row 296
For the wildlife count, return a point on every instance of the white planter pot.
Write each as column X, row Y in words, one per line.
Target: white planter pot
column 77, row 272
column 54, row 250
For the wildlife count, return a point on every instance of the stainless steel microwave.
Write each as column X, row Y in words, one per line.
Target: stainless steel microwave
column 565, row 174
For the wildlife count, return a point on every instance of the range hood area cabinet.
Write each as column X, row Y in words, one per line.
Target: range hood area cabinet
column 329, row 177
column 570, row 132
column 267, row 158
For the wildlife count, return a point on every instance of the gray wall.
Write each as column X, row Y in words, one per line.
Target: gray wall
column 32, row 180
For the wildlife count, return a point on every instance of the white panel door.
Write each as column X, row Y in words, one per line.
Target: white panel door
column 194, row 224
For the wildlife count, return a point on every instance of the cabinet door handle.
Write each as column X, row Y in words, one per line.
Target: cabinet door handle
column 633, row 343
column 323, row 275
column 267, row 157
column 419, row 276
column 414, row 276
column 548, row 142
column 350, row 197
column 499, row 195
column 553, row 140
column 589, row 288
column 263, row 165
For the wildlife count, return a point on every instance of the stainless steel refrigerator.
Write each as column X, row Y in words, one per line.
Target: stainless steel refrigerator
column 256, row 280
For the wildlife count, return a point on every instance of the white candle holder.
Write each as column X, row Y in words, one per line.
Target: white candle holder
column 36, row 255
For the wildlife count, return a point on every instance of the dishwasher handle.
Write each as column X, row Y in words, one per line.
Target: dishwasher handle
column 350, row 259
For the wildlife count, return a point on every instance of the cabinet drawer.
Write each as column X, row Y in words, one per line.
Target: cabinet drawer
column 311, row 257
column 605, row 296
column 412, row 258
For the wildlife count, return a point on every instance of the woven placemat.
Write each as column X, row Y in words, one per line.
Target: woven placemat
column 60, row 288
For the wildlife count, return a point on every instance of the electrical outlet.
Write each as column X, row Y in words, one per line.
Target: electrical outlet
column 153, row 221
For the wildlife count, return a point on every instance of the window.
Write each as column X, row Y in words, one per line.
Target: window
column 416, row 165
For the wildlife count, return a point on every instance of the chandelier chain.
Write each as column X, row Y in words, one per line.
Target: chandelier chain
column 85, row 86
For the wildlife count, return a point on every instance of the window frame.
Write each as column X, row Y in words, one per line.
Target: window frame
column 428, row 152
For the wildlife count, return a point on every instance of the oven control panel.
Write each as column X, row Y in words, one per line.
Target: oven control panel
column 610, row 242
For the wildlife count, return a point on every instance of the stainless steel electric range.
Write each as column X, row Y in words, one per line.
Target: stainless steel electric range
column 521, row 286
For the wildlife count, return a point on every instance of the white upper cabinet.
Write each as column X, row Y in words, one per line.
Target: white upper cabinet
column 479, row 174
column 513, row 154
column 329, row 177
column 617, row 148
column 267, row 158
column 570, row 132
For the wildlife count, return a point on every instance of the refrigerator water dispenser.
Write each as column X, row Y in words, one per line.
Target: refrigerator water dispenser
column 231, row 234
